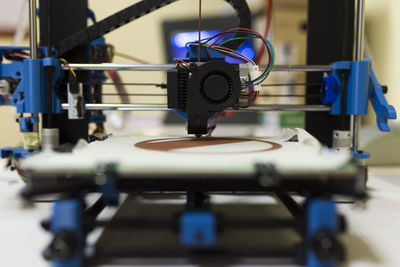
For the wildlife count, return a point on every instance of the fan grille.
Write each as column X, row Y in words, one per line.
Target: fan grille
column 228, row 94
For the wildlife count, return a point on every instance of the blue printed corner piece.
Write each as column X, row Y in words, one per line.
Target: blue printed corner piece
column 17, row 152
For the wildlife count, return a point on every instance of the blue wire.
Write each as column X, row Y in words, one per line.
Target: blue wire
column 206, row 40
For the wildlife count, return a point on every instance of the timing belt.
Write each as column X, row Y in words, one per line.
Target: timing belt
column 135, row 11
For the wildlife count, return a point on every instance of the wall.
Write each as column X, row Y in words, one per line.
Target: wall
column 9, row 130
column 382, row 28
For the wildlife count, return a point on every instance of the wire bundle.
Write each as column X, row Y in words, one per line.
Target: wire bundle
column 16, row 55
column 212, row 44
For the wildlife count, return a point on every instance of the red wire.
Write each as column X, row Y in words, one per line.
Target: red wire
column 233, row 52
column 262, row 51
column 183, row 62
column 234, row 29
column 230, row 50
column 254, row 100
column 250, row 30
column 263, row 47
column 224, row 115
column 66, row 65
column 267, row 26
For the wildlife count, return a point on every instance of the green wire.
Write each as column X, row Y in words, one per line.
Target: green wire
column 272, row 54
column 238, row 38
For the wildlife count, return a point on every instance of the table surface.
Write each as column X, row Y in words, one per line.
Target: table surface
column 372, row 239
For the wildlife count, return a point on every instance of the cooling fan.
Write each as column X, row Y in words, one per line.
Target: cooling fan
column 203, row 91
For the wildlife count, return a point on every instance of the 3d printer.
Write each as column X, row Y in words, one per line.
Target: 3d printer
column 60, row 82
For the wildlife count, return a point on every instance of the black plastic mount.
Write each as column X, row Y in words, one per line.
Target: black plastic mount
column 64, row 24
column 208, row 88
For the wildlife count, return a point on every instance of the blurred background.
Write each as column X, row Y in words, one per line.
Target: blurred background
column 158, row 37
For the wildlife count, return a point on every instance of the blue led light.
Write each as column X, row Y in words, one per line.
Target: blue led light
column 246, row 49
column 248, row 52
column 182, row 38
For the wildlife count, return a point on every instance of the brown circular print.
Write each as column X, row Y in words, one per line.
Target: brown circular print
column 178, row 145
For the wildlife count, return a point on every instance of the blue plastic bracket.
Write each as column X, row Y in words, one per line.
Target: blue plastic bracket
column 383, row 110
column 91, row 15
column 30, row 95
column 68, row 216
column 321, row 215
column 361, row 154
column 198, row 229
column 362, row 86
column 26, row 123
column 97, row 77
column 330, row 89
column 193, row 54
column 17, row 152
column 98, row 118
column 108, row 185
column 109, row 192
column 51, row 61
column 357, row 88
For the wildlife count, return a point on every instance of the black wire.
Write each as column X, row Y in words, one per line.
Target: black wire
column 247, row 95
column 225, row 32
column 251, row 99
column 259, row 36
column 231, row 55
column 248, row 33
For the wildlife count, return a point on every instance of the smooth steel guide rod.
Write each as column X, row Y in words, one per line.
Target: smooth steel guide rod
column 281, row 107
column 116, row 106
column 32, row 29
column 33, row 49
column 359, row 51
column 117, row 66
column 165, row 67
column 359, row 47
column 299, row 68
column 163, row 107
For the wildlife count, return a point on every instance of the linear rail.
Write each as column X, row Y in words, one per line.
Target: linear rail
column 165, row 67
column 163, row 107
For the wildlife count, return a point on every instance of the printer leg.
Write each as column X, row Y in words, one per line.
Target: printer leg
column 66, row 248
column 322, row 247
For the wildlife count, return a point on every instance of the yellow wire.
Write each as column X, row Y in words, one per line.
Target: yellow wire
column 66, row 62
column 16, row 166
column 13, row 159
